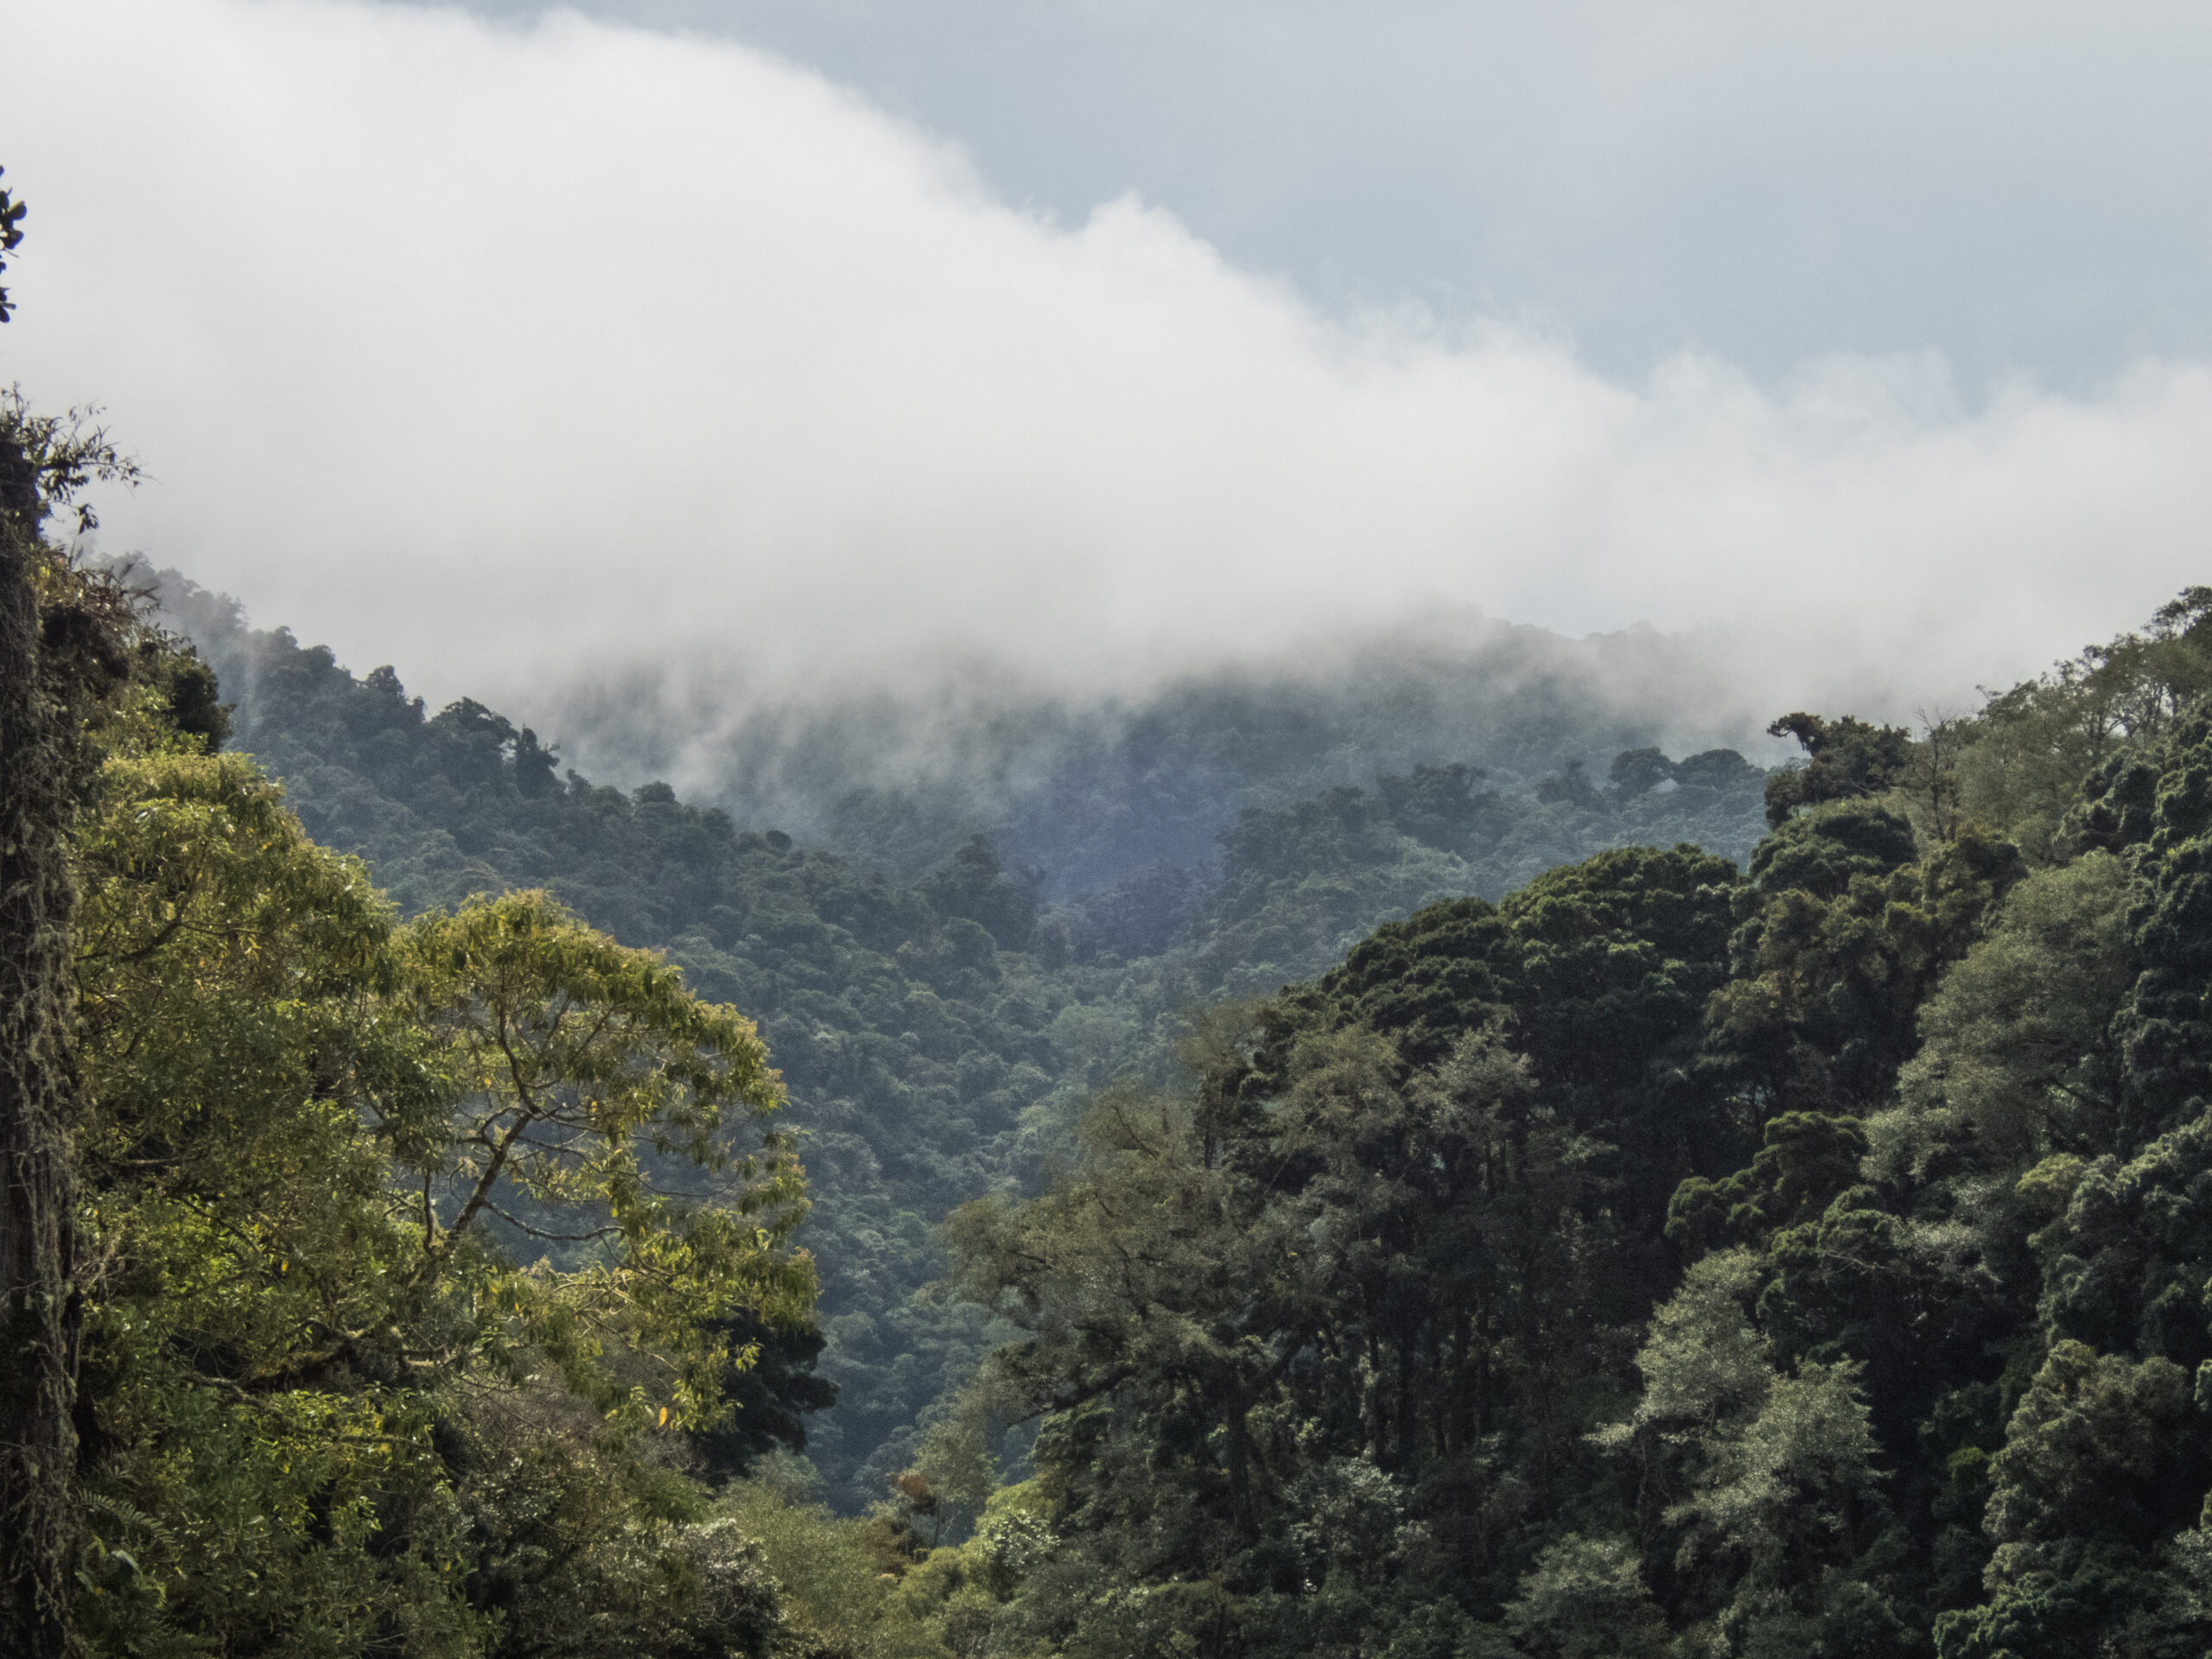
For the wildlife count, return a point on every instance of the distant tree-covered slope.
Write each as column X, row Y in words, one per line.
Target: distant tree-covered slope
column 1091, row 787
column 939, row 1036
column 1667, row 1259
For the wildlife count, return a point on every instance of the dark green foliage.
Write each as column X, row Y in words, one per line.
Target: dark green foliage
column 1437, row 805
column 1622, row 949
column 2165, row 1026
column 1843, row 936
column 195, row 708
column 1619, row 955
column 1805, row 1161
column 12, row 214
column 2126, row 1261
column 1143, row 914
column 1845, row 760
column 772, row 1396
column 2018, row 1052
column 1820, row 853
column 973, row 886
column 1931, row 1131
column 1635, row 770
column 2106, row 716
column 1403, row 1242
column 1423, row 981
column 2101, row 1476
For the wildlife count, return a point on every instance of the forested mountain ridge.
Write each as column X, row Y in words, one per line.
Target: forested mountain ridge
column 938, row 1037
column 1661, row 1257
column 1091, row 787
column 1663, row 1261
column 1658, row 1255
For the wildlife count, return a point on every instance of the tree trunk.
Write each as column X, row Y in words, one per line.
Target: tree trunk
column 41, row 1316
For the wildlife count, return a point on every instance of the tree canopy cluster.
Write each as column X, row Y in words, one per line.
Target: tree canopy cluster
column 1667, row 1260
column 386, row 1284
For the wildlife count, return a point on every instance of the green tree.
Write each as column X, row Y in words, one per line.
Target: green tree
column 43, row 691
column 1297, row 1327
column 1586, row 1599
column 256, row 1425
column 1805, row 1159
column 2018, row 1052
column 581, row 1074
column 1845, row 933
column 2074, row 1510
column 332, row 1406
column 2164, row 1032
column 1844, row 759
column 1185, row 1333
column 1766, row 1481
column 2094, row 716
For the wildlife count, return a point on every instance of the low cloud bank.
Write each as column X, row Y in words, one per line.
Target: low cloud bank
column 646, row 384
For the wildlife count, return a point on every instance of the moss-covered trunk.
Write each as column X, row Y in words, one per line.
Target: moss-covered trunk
column 40, row 1326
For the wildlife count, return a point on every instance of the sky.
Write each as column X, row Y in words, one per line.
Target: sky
column 2023, row 187
column 763, row 348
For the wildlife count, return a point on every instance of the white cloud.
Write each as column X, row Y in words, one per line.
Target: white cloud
column 516, row 354
column 2024, row 183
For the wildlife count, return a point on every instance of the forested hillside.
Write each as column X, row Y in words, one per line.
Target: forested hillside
column 939, row 1038
column 1089, row 788
column 1812, row 1261
column 1663, row 1255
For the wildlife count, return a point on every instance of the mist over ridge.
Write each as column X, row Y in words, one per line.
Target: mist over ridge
column 1084, row 788
column 1093, row 784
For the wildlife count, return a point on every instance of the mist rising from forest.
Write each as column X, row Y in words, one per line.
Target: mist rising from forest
column 977, row 743
column 669, row 397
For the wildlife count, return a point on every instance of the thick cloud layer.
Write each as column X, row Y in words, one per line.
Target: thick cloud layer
column 555, row 355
